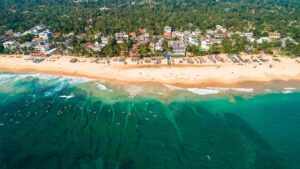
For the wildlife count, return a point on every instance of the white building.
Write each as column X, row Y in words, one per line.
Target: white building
column 37, row 29
column 17, row 34
column 178, row 48
column 193, row 41
column 168, row 32
column 205, row 45
column 159, row 45
column 286, row 40
column 249, row 36
column 178, row 35
column 274, row 35
column 121, row 37
column 104, row 40
column 144, row 38
column 220, row 28
column 104, row 8
column 45, row 35
column 10, row 45
column 167, row 29
column 197, row 32
column 263, row 40
column 42, row 47
column 97, row 47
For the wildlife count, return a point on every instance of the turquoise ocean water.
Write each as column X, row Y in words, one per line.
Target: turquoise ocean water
column 64, row 123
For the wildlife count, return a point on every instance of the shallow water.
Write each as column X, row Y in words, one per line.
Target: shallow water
column 50, row 122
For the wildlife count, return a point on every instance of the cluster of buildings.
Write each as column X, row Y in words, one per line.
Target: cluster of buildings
column 171, row 40
column 178, row 41
column 35, row 41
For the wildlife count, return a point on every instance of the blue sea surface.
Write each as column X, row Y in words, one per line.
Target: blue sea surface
column 49, row 122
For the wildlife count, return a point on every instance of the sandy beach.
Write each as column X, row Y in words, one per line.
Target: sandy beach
column 183, row 72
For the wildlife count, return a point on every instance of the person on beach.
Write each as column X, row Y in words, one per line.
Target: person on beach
column 168, row 56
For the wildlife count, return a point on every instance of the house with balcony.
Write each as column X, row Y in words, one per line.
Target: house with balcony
column 45, row 35
column 121, row 37
column 167, row 32
column 249, row 36
column 193, row 41
column 10, row 45
column 143, row 38
column 274, row 36
column 205, row 45
column 178, row 48
column 158, row 46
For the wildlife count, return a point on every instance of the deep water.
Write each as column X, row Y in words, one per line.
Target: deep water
column 61, row 123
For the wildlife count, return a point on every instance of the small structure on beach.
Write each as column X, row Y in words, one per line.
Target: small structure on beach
column 46, row 53
column 168, row 56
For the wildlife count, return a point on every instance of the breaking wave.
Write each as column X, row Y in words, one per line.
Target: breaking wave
column 101, row 86
column 203, row 91
column 67, row 96
column 241, row 90
column 210, row 90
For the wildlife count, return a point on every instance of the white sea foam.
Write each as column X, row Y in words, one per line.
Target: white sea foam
column 134, row 90
column 41, row 76
column 76, row 80
column 211, row 90
column 289, row 88
column 17, row 77
column 59, row 87
column 101, row 86
column 269, row 91
column 203, row 91
column 67, row 96
column 69, row 79
column 243, row 90
column 287, row 91
column 171, row 87
column 6, row 77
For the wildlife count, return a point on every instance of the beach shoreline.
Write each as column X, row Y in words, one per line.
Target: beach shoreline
column 180, row 74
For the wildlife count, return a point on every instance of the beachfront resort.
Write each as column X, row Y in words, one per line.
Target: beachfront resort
column 216, row 56
column 40, row 42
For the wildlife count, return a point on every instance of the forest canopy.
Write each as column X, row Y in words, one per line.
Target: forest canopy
column 110, row 16
column 86, row 19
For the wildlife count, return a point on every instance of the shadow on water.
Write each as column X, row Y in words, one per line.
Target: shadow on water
column 49, row 132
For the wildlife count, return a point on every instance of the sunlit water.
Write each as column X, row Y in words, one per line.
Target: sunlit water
column 49, row 122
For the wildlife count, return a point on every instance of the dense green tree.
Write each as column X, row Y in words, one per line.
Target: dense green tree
column 66, row 16
column 293, row 49
column 265, row 46
column 1, row 48
column 112, row 49
column 227, row 45
column 215, row 49
column 144, row 50
column 195, row 50
column 26, row 38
